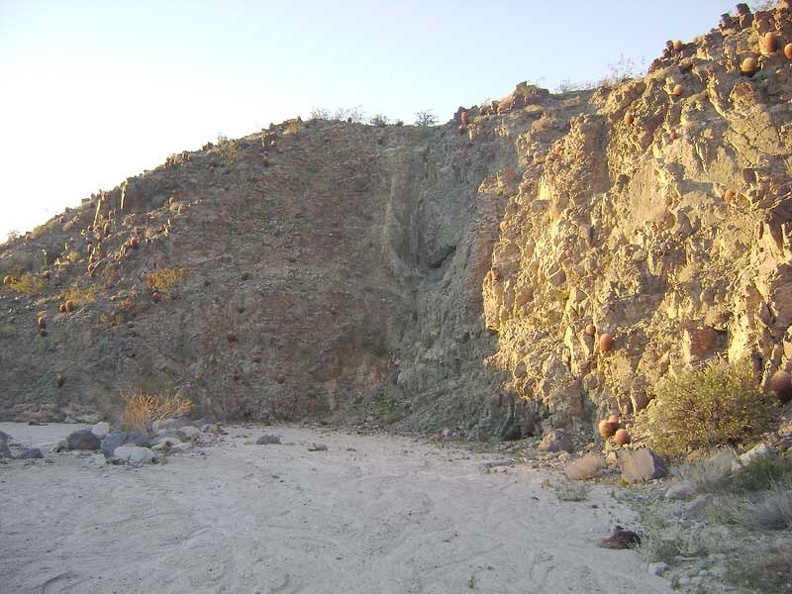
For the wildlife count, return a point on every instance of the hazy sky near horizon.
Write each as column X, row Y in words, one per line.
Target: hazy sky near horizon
column 94, row 91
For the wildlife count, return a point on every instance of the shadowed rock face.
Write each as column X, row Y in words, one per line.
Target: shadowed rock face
column 335, row 276
column 428, row 277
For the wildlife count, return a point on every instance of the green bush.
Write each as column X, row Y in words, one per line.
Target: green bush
column 720, row 404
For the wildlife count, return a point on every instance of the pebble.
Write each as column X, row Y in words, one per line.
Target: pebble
column 658, row 568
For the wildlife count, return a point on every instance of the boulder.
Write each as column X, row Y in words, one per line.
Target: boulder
column 4, row 451
column 751, row 456
column 101, row 429
column 31, row 453
column 696, row 509
column 132, row 454
column 188, row 433
column 83, row 440
column 640, row 465
column 114, row 440
column 556, row 440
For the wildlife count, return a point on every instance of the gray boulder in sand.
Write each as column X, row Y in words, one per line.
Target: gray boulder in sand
column 101, row 429
column 31, row 453
column 640, row 465
column 133, row 454
column 114, row 440
column 556, row 440
column 83, row 440
column 188, row 433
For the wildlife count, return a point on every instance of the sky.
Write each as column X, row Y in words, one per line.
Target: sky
column 95, row 91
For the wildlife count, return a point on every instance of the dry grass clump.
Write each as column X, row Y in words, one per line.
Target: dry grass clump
column 668, row 541
column 28, row 284
column 165, row 280
column 569, row 491
column 766, row 570
column 717, row 405
column 141, row 410
column 588, row 467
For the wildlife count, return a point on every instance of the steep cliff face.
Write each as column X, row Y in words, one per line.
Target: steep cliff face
column 454, row 277
column 660, row 216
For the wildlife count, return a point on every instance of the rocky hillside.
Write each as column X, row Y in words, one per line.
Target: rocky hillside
column 458, row 277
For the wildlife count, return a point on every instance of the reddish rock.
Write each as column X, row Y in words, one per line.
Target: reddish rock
column 606, row 343
column 781, row 384
column 83, row 440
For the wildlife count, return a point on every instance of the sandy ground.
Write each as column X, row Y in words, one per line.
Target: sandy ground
column 371, row 514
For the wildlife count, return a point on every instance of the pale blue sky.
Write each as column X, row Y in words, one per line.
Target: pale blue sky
column 97, row 91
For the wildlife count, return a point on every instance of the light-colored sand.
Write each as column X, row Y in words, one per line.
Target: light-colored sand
column 371, row 514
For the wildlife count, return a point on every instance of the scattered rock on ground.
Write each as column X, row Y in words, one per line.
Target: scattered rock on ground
column 133, row 454
column 696, row 509
column 556, row 440
column 640, row 465
column 751, row 456
column 188, row 433
column 621, row 539
column 83, row 440
column 101, row 429
column 114, row 440
column 31, row 453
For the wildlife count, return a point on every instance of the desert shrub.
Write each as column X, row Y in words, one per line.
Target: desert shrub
column 425, row 118
column 766, row 472
column 669, row 540
column 569, row 491
column 141, row 410
column 80, row 295
column 770, row 509
column 720, row 404
column 588, row 467
column 165, row 280
column 319, row 113
column 379, row 120
column 768, row 569
column 710, row 475
column 28, row 284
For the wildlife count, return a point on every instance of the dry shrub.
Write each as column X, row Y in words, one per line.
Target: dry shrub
column 567, row 491
column 720, row 404
column 28, row 284
column 765, row 570
column 81, row 296
column 141, row 410
column 588, row 467
column 165, row 280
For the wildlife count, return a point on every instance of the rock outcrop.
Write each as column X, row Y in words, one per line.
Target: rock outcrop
column 542, row 260
column 657, row 218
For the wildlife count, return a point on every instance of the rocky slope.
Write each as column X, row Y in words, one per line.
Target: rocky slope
column 454, row 277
